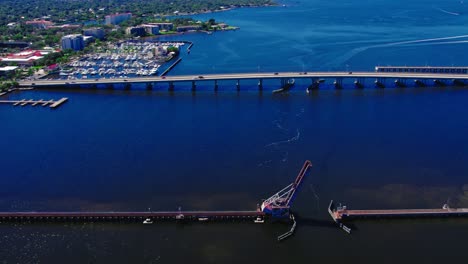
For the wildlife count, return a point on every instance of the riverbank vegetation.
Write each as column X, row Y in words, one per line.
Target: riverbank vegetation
column 71, row 11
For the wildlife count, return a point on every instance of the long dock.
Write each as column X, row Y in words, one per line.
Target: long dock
column 277, row 208
column 131, row 216
column 342, row 213
column 24, row 102
column 170, row 67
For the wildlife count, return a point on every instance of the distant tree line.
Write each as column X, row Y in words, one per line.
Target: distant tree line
column 72, row 11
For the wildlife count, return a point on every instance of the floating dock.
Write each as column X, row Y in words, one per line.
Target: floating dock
column 24, row 102
column 342, row 213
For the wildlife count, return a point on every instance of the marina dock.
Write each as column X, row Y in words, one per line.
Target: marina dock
column 51, row 103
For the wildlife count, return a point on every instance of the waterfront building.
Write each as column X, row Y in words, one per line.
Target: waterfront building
column 74, row 42
column 151, row 29
column 136, row 31
column 164, row 26
column 117, row 18
column 7, row 71
column 25, row 58
column 188, row 28
column 94, row 32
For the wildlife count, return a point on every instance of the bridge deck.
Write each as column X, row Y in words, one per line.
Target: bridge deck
column 244, row 76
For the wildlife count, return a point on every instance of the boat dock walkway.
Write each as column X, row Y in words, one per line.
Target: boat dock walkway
column 24, row 102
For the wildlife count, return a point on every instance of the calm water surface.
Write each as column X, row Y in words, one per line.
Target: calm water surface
column 134, row 150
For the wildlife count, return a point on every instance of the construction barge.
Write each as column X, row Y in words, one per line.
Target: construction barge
column 340, row 214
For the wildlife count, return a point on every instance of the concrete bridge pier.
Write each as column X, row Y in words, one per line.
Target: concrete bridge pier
column 460, row 83
column 315, row 85
column 359, row 83
column 439, row 83
column 284, row 82
column 194, row 86
column 420, row 83
column 127, row 86
column 338, row 83
column 216, row 85
column 260, row 84
column 149, row 86
column 109, row 86
column 400, row 83
column 238, row 85
column 379, row 82
column 171, row 86
column 94, row 86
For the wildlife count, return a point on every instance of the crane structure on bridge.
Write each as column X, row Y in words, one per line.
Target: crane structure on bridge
column 279, row 205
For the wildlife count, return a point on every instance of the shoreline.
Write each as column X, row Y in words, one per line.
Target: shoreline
column 216, row 11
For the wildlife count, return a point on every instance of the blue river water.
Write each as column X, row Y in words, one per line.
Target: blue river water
column 154, row 150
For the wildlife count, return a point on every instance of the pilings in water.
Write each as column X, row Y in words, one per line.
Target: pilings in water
column 149, row 86
column 171, row 86
column 459, row 83
column 338, row 83
column 419, row 83
column 380, row 82
column 439, row 83
column 401, row 83
column 216, row 85
column 359, row 83
column 260, row 84
column 238, row 85
column 194, row 86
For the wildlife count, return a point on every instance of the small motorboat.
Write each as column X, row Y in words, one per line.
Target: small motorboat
column 259, row 220
column 147, row 221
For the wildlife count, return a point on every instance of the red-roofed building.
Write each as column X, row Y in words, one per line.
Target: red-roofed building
column 40, row 23
column 25, row 58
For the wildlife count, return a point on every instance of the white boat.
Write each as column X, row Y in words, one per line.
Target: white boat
column 259, row 220
column 148, row 221
column 203, row 219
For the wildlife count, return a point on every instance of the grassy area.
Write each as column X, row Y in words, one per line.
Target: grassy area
column 167, row 32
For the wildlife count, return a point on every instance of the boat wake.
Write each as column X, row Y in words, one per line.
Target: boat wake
column 317, row 198
column 447, row 12
column 265, row 163
column 419, row 42
column 277, row 143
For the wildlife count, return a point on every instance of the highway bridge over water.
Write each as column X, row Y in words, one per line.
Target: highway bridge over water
column 358, row 79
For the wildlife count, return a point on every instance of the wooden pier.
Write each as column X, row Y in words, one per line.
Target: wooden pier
column 342, row 213
column 130, row 216
column 24, row 102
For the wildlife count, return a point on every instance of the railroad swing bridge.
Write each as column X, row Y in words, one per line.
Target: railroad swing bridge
column 383, row 76
column 277, row 207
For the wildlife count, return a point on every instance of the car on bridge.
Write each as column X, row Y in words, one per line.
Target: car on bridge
column 201, row 77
